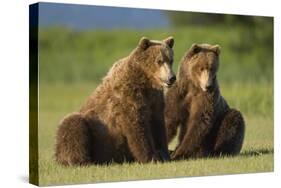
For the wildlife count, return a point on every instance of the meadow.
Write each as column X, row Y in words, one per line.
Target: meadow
column 72, row 64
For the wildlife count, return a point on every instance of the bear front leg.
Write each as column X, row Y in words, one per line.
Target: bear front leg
column 171, row 126
column 172, row 113
column 135, row 127
column 197, row 130
column 140, row 141
column 160, row 138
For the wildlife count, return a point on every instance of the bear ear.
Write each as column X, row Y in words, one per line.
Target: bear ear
column 195, row 48
column 169, row 41
column 217, row 49
column 144, row 43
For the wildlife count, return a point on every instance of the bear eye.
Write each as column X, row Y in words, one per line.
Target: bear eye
column 201, row 69
column 159, row 61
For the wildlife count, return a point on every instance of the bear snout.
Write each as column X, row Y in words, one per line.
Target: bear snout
column 172, row 78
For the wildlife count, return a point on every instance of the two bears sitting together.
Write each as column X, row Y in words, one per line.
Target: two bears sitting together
column 129, row 117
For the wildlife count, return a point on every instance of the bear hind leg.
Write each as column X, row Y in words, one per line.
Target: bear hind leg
column 230, row 135
column 73, row 141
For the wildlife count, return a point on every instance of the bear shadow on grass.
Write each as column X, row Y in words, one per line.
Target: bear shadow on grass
column 247, row 153
column 258, row 152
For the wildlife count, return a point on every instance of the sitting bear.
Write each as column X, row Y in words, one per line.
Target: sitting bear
column 123, row 119
column 208, row 126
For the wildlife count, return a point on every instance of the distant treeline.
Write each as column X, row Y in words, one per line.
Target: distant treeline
column 191, row 18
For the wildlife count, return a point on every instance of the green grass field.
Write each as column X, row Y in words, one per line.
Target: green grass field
column 72, row 64
column 256, row 155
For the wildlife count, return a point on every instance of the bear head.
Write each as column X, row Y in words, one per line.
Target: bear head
column 156, row 59
column 201, row 64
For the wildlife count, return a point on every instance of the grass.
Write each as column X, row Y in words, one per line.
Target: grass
column 126, row 172
column 256, row 155
column 73, row 63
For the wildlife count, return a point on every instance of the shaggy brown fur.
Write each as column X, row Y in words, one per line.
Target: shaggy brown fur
column 123, row 119
column 194, row 104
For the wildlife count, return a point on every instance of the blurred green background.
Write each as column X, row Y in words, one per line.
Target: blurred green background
column 72, row 62
column 68, row 56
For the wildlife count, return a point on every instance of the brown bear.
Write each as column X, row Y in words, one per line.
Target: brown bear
column 208, row 126
column 123, row 119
